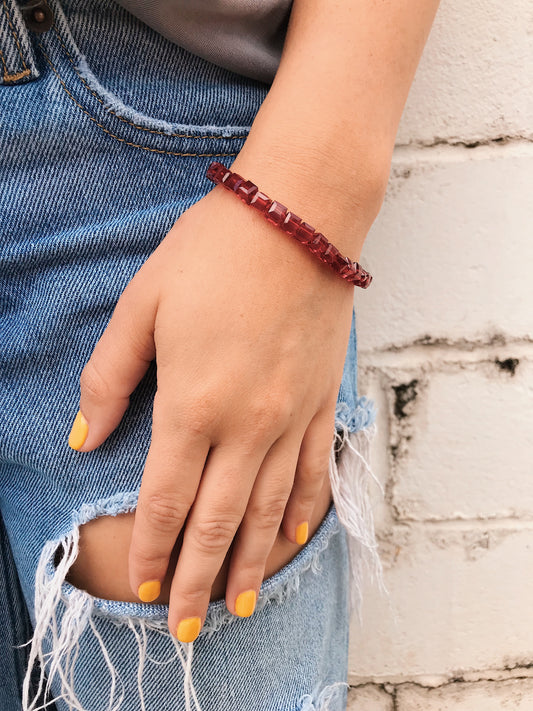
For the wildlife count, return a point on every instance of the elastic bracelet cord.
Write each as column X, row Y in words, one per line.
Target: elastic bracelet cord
column 278, row 215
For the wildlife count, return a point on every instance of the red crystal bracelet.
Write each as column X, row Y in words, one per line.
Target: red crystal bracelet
column 278, row 215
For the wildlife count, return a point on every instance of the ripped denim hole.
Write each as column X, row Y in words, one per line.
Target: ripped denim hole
column 64, row 613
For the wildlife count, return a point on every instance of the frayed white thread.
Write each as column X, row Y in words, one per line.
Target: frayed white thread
column 62, row 637
column 64, row 641
column 186, row 662
column 141, row 646
column 349, row 475
column 326, row 700
column 187, row 682
column 112, row 670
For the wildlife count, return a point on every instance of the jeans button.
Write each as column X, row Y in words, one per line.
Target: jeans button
column 37, row 15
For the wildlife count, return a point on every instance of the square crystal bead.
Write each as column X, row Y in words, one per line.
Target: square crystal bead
column 319, row 245
column 276, row 213
column 246, row 191
column 305, row 233
column 291, row 223
column 260, row 201
column 212, row 171
column 216, row 172
column 331, row 255
column 233, row 181
column 340, row 262
column 347, row 270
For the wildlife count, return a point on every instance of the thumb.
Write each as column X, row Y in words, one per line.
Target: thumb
column 119, row 361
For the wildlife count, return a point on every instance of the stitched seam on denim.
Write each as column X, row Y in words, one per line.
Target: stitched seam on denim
column 118, row 138
column 14, row 33
column 7, row 76
column 121, row 118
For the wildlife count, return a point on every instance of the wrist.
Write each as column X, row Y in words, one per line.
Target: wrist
column 281, row 217
column 340, row 197
column 253, row 262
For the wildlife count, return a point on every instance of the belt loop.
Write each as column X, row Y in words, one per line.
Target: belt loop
column 17, row 59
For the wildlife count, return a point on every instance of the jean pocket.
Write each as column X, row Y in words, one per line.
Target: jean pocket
column 136, row 87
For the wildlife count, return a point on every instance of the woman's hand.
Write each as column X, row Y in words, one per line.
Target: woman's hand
column 249, row 332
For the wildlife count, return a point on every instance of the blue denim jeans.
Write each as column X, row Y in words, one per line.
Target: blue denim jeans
column 106, row 131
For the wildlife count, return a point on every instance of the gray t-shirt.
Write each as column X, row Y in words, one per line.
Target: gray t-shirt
column 244, row 36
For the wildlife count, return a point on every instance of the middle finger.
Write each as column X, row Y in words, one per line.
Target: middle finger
column 217, row 512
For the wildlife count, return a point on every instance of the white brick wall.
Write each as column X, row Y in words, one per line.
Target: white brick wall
column 474, row 80
column 460, row 599
column 471, row 450
column 452, row 248
column 446, row 351
column 508, row 695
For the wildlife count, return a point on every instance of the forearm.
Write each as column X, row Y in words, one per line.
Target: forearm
column 323, row 139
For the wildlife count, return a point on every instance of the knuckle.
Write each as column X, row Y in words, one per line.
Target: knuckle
column 93, row 384
column 279, row 410
column 198, row 422
column 193, row 596
column 269, row 513
column 270, row 416
column 192, row 416
column 307, row 498
column 165, row 513
column 251, row 566
column 214, row 535
column 147, row 558
column 314, row 471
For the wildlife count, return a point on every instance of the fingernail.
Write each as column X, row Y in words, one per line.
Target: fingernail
column 302, row 531
column 149, row 591
column 79, row 432
column 189, row 629
column 245, row 603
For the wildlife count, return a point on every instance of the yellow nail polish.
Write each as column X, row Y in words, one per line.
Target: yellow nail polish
column 245, row 603
column 149, row 591
column 79, row 432
column 302, row 531
column 189, row 629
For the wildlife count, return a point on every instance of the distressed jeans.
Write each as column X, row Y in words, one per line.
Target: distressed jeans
column 106, row 131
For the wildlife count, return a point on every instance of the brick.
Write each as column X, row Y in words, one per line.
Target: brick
column 511, row 695
column 369, row 698
column 460, row 600
column 474, row 78
column 470, row 447
column 451, row 250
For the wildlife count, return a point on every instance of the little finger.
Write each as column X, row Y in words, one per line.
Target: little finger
column 311, row 470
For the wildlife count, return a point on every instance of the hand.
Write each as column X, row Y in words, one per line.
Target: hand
column 249, row 332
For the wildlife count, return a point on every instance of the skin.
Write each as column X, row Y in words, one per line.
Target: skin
column 249, row 367
column 113, row 534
